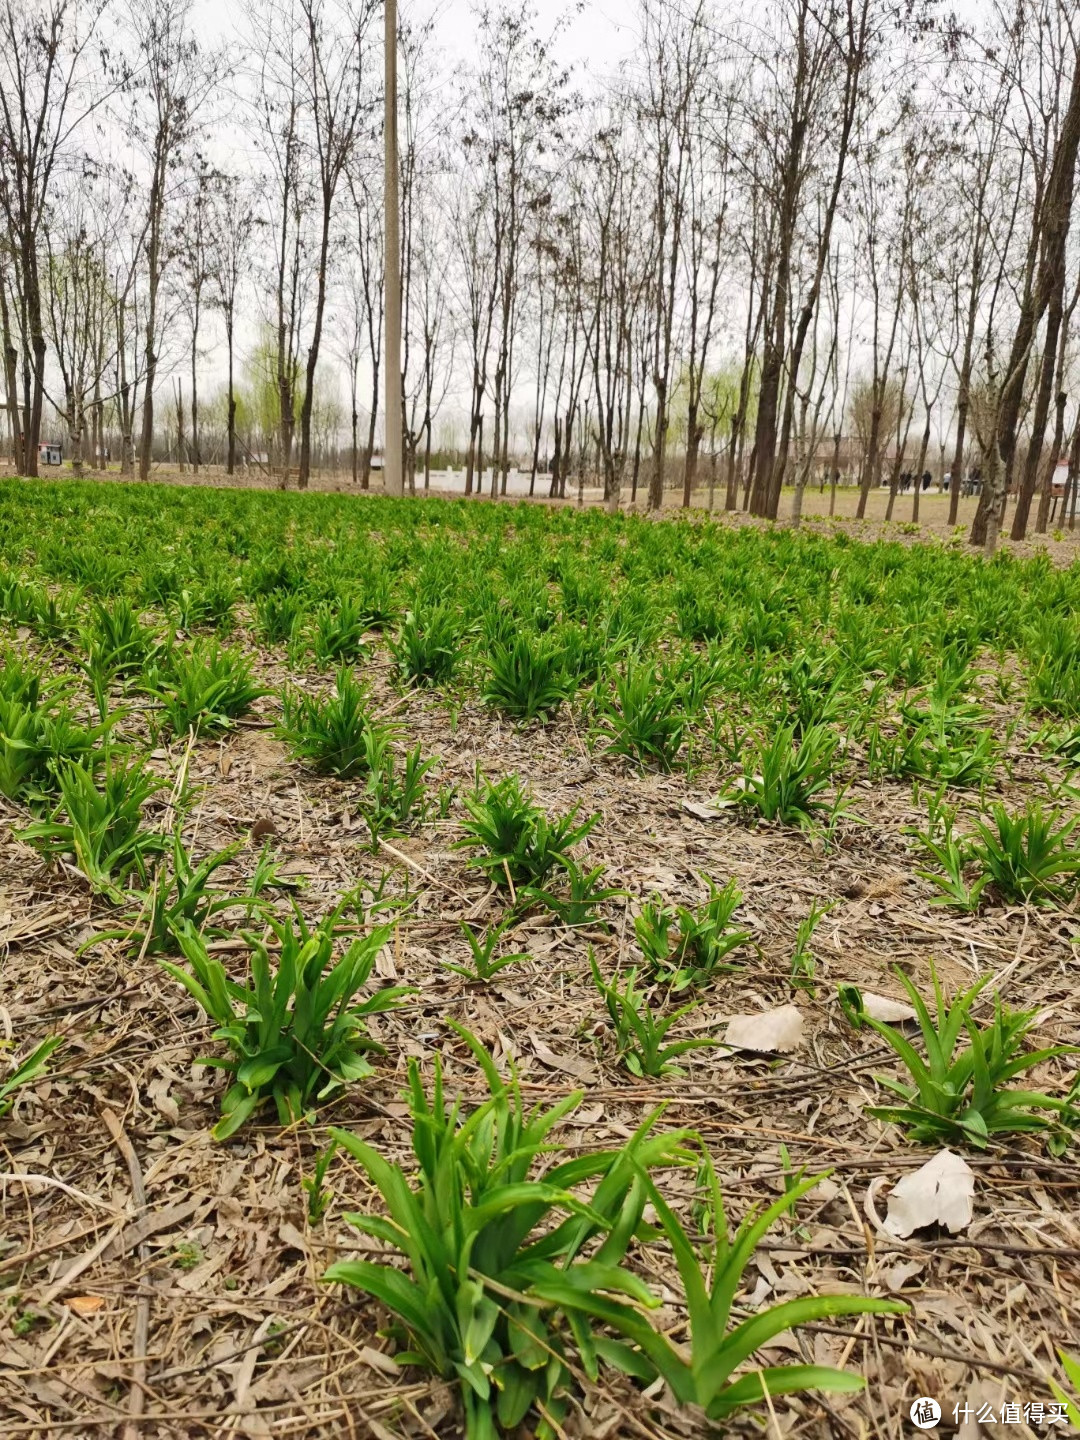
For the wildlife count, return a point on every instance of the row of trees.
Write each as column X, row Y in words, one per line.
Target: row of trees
column 775, row 228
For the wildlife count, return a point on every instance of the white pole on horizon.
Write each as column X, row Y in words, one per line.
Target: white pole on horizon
column 393, row 479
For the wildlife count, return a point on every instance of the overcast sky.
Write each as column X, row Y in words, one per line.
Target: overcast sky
column 598, row 33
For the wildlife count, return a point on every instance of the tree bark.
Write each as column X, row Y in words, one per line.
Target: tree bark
column 1051, row 228
column 1051, row 464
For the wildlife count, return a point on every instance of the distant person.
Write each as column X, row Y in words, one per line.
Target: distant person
column 946, row 481
column 927, row 477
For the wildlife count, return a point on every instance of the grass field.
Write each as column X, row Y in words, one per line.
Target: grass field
column 645, row 844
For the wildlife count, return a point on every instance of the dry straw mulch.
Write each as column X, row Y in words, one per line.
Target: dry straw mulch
column 158, row 1284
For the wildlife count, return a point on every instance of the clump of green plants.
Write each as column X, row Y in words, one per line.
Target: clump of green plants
column 1053, row 647
column 582, row 898
column 117, row 644
column 278, row 615
column 714, row 1367
column 484, row 964
column 208, row 602
column 784, row 781
column 948, row 742
column 961, row 1094
column 28, row 1070
column 428, row 645
column 394, row 795
column 376, row 586
column 803, row 964
column 640, row 1032
column 688, row 948
column 526, row 678
column 335, row 734
column 100, row 824
column 319, row 1194
column 55, row 615
column 182, row 894
column 38, row 733
column 204, row 688
column 339, row 630
column 814, row 689
column 645, row 719
column 511, row 838
column 504, row 1287
column 1028, row 857
column 296, row 1030
column 954, row 854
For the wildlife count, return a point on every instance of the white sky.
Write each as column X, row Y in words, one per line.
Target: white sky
column 595, row 37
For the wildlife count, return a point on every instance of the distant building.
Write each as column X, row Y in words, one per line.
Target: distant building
column 50, row 455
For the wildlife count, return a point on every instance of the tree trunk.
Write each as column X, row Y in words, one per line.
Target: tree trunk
column 731, row 498
column 313, row 354
column 656, row 479
column 365, row 475
column 637, row 454
column 870, row 462
column 919, row 470
column 994, row 491
column 894, row 481
column 693, row 446
column 1049, row 469
column 230, row 461
column 1050, row 231
column 958, row 453
column 835, row 473
column 1041, row 415
column 535, row 461
column 194, row 414
column 1069, row 498
column 11, row 361
column 180, row 424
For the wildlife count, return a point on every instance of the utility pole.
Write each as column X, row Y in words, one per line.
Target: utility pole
column 392, row 476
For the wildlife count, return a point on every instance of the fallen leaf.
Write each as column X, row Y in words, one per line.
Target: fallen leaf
column 881, row 1007
column 85, row 1304
column 702, row 812
column 568, row 1064
column 384, row 964
column 164, row 1104
column 941, row 1192
column 385, row 1364
column 771, row 1031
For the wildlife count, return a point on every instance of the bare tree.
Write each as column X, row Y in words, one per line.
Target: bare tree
column 233, row 225
column 370, row 268
column 172, row 81
column 46, row 96
column 335, row 102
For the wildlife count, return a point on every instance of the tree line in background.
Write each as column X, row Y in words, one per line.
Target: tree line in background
column 780, row 240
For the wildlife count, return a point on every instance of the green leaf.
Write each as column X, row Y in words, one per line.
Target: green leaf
column 236, row 1114
column 782, row 1380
